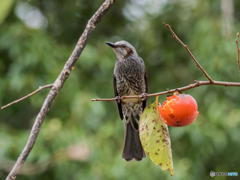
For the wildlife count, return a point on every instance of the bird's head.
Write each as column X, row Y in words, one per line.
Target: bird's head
column 122, row 49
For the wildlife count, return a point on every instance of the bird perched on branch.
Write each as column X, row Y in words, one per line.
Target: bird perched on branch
column 129, row 78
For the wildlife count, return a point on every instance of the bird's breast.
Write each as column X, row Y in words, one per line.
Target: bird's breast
column 130, row 78
column 129, row 86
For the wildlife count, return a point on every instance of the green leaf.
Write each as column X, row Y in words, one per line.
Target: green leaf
column 155, row 138
column 5, row 7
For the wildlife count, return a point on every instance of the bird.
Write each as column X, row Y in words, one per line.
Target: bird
column 129, row 78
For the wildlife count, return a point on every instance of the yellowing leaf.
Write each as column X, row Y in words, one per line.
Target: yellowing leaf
column 155, row 138
column 5, row 7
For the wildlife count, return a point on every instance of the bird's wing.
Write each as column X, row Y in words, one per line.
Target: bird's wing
column 146, row 90
column 116, row 94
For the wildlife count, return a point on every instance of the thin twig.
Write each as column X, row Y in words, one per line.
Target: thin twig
column 189, row 52
column 27, row 96
column 57, row 85
column 184, row 88
column 238, row 50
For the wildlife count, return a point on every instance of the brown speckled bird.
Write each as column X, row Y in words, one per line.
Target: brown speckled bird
column 129, row 78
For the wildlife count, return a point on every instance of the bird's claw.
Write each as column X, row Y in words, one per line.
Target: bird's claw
column 144, row 96
column 118, row 99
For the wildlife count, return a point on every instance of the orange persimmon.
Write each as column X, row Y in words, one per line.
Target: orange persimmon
column 179, row 110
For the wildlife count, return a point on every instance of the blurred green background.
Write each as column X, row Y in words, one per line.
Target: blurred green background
column 81, row 139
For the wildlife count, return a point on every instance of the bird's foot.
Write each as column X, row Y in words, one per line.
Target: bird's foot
column 118, row 99
column 144, row 96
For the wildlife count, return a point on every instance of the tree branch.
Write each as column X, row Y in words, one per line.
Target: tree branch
column 26, row 96
column 189, row 52
column 184, row 88
column 238, row 50
column 57, row 85
column 187, row 87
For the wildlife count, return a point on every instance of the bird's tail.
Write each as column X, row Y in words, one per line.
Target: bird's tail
column 132, row 148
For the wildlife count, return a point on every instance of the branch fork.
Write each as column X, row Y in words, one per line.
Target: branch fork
column 69, row 65
column 56, row 86
column 197, row 83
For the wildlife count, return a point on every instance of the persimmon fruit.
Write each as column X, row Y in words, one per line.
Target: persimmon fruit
column 179, row 110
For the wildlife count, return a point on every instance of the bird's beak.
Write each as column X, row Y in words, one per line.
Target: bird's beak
column 112, row 45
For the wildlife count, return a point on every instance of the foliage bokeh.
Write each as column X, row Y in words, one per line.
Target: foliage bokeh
column 81, row 139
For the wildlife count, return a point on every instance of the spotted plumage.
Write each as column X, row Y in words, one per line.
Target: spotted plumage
column 129, row 79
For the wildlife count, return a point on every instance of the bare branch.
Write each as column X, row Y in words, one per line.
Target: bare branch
column 189, row 52
column 184, row 88
column 26, row 96
column 187, row 87
column 59, row 82
column 238, row 50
